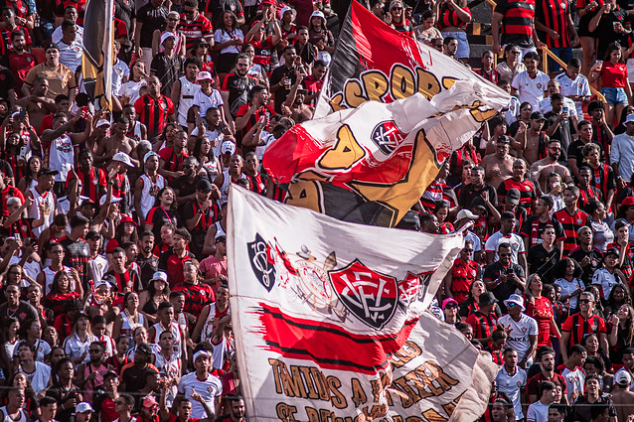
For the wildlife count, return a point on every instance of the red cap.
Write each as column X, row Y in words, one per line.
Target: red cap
column 269, row 2
column 628, row 201
column 127, row 219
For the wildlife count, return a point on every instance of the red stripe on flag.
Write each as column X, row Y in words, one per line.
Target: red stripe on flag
column 327, row 344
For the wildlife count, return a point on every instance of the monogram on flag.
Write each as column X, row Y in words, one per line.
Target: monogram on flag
column 319, row 306
column 372, row 163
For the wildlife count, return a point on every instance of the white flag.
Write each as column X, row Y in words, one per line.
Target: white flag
column 319, row 306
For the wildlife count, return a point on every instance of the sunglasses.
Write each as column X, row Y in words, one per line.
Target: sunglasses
column 511, row 305
column 397, row 8
column 584, row 300
column 451, row 306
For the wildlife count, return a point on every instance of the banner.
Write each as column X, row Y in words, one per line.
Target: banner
column 438, row 376
column 319, row 305
column 374, row 62
column 372, row 163
column 97, row 59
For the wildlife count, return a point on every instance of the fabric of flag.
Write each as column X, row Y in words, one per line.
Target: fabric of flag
column 97, row 58
column 372, row 61
column 438, row 375
column 372, row 163
column 319, row 306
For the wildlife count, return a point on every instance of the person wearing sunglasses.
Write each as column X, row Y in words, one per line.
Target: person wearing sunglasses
column 549, row 164
column 582, row 323
column 523, row 330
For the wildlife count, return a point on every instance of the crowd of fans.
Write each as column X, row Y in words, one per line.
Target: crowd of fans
column 114, row 301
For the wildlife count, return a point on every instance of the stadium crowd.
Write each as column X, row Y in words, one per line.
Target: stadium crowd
column 114, row 301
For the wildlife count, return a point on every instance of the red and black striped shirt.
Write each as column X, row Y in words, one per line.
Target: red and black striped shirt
column 527, row 192
column 447, row 17
column 256, row 183
column 600, row 136
column 93, row 183
column 554, row 14
column 571, row 223
column 588, row 195
column 199, row 28
column 517, row 24
column 578, row 326
column 79, row 5
column 153, row 113
column 493, row 76
column 7, row 193
column 462, row 276
column 483, row 326
column 129, row 279
column 173, row 161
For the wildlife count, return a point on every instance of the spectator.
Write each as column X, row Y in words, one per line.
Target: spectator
column 628, row 366
column 512, row 380
column 154, row 109
column 574, row 85
column 622, row 153
column 615, row 87
column 589, row 257
column 228, row 40
column 149, row 18
column 19, row 61
column 517, row 21
column 61, row 79
column 512, row 64
column 194, row 25
column 573, row 331
column 522, row 328
column 531, row 84
column 538, row 411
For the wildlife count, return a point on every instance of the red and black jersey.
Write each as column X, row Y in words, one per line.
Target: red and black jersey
column 173, row 265
column 59, row 301
column 263, row 53
column 5, row 35
column 173, row 161
column 208, row 217
column 64, row 326
column 517, row 24
column 198, row 28
column 77, row 256
column 626, row 267
column 578, row 327
column 20, row 7
column 93, row 183
column 463, row 274
column 493, row 76
column 120, row 30
column 588, row 195
column 447, row 17
column 7, row 193
column 437, row 191
column 116, row 365
column 483, row 326
column 600, row 136
column 279, row 194
column 526, row 188
column 256, row 183
column 196, row 296
column 153, row 113
column 22, row 227
column 120, row 185
column 79, row 5
column 267, row 111
column 554, row 15
column 534, row 227
column 129, row 279
column 603, row 179
column 497, row 357
column 20, row 65
column 571, row 223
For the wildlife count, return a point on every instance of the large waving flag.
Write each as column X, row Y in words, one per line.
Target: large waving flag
column 372, row 163
column 97, row 60
column 319, row 306
column 374, row 62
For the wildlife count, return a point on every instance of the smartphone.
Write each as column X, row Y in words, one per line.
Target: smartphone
column 22, row 113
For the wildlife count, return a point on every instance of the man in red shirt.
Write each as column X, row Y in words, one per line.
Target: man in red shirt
column 547, row 365
column 173, row 261
column 171, row 159
column 18, row 60
column 583, row 322
column 194, row 25
column 572, row 219
column 251, row 112
column 313, row 82
column 463, row 273
column 236, row 411
column 154, row 110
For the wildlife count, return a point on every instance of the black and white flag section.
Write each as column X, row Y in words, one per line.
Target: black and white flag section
column 320, row 306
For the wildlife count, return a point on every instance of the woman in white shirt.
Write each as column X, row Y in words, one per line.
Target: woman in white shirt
column 568, row 273
column 130, row 90
column 228, row 40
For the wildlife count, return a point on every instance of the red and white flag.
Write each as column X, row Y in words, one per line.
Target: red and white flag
column 319, row 306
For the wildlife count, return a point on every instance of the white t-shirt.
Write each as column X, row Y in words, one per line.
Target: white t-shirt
column 208, row 389
column 205, row 102
column 513, row 108
column 568, row 287
column 222, row 36
column 512, row 385
column 537, row 412
column 119, row 71
column 607, row 281
column 57, row 34
column 518, row 338
column 131, row 89
column 531, row 89
column 576, row 86
column 574, row 382
column 517, row 244
column 70, row 55
column 40, row 377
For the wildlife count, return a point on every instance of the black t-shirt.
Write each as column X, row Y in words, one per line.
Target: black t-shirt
column 152, row 18
column 133, row 378
column 507, row 288
column 200, row 231
column 596, row 261
column 575, row 151
column 184, row 187
column 276, row 77
column 24, row 312
column 61, row 396
column 238, row 88
column 168, row 70
column 469, row 196
column 147, row 266
column 124, row 10
column 216, row 7
column 542, row 262
column 77, row 256
column 563, row 134
column 7, row 82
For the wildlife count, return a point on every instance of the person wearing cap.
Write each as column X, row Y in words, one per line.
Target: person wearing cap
column 171, row 26
column 531, row 136
column 147, row 186
column 200, row 381
column 609, row 276
column 117, row 142
column 200, row 213
column 622, row 397
column 484, row 321
column 154, row 109
column 167, row 66
column 450, row 311
column 60, row 78
column 149, row 410
column 464, row 272
column 62, row 141
column 205, row 98
column 523, row 336
column 44, row 201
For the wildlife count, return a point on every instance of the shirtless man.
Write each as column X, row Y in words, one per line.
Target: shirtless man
column 532, row 138
column 118, row 142
column 37, row 104
column 621, row 396
column 499, row 166
column 542, row 168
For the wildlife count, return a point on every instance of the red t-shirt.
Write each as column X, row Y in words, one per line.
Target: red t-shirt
column 542, row 311
column 613, row 75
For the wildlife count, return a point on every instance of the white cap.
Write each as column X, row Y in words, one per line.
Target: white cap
column 102, row 122
column 83, row 407
column 204, row 76
column 114, row 199
column 124, row 158
column 629, row 119
column 516, row 299
column 148, row 155
column 288, row 9
column 167, row 35
column 228, row 147
column 622, row 378
column 466, row 214
column 102, row 283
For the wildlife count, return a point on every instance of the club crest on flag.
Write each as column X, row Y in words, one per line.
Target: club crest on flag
column 388, row 136
column 260, row 263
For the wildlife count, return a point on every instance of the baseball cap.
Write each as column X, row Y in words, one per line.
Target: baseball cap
column 102, row 122
column 127, row 219
column 149, row 401
column 464, row 213
column 52, row 45
column 144, row 348
column 47, row 171
column 611, row 251
column 203, row 186
column 228, row 147
column 622, row 378
column 102, row 200
column 628, row 201
column 123, row 158
column 513, row 196
column 503, row 139
column 487, row 298
column 148, row 155
column 102, row 283
column 537, row 115
column 167, row 35
column 319, row 14
column 92, row 235
column 629, row 119
column 448, row 301
column 516, row 299
column 83, row 407
column 222, row 239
